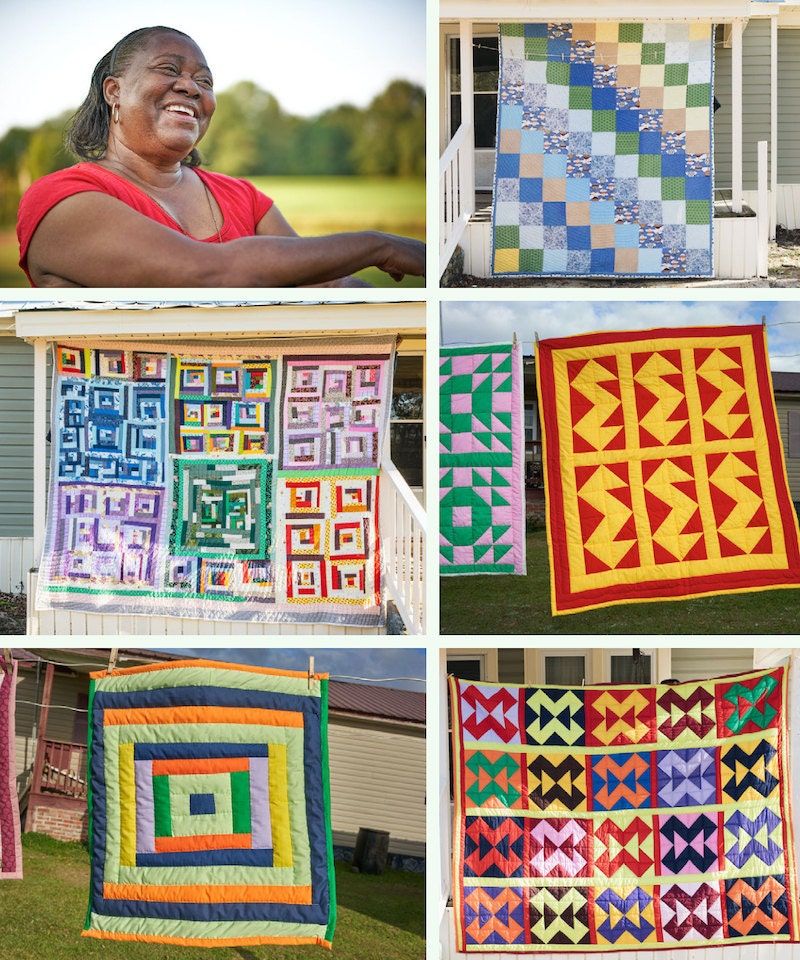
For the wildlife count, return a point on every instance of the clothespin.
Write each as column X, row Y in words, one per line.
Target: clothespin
column 763, row 321
column 112, row 659
column 515, row 338
column 7, row 660
column 310, row 671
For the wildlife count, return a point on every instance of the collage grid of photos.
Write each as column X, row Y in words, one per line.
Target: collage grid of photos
column 443, row 357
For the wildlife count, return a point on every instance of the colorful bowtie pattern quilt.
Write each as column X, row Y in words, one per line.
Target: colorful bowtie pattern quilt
column 236, row 486
column 663, row 466
column 605, row 819
column 481, row 460
column 210, row 811
column 604, row 163
column 10, row 842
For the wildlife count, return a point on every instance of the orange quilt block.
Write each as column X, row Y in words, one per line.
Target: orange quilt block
column 664, row 469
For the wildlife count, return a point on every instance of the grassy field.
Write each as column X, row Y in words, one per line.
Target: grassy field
column 313, row 206
column 521, row 605
column 44, row 914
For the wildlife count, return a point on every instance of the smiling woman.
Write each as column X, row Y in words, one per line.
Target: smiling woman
column 139, row 211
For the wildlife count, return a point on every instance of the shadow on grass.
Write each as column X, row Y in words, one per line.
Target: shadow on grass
column 395, row 897
column 521, row 605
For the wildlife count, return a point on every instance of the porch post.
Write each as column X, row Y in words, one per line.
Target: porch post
column 41, row 733
column 737, row 28
column 773, row 125
column 39, row 446
column 467, row 179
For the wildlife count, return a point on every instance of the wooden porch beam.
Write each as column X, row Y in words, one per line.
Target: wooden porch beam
column 41, row 733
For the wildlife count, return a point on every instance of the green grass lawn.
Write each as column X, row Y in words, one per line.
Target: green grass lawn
column 43, row 915
column 521, row 605
column 314, row 206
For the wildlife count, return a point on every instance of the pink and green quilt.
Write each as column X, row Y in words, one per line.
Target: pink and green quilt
column 614, row 818
column 604, row 160
column 236, row 483
column 481, row 460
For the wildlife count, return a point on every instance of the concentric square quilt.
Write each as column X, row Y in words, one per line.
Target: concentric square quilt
column 607, row 819
column 170, row 472
column 210, row 810
column 604, row 161
column 481, row 460
column 664, row 468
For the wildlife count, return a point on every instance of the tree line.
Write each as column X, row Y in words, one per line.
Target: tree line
column 251, row 135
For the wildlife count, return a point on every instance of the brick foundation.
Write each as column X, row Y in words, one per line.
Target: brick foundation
column 58, row 821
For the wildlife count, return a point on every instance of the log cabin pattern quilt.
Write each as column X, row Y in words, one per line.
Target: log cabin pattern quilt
column 237, row 484
column 210, row 806
column 664, row 468
column 604, row 161
column 615, row 818
column 10, row 836
column 481, row 460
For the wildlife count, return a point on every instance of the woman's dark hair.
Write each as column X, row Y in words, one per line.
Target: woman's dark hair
column 87, row 132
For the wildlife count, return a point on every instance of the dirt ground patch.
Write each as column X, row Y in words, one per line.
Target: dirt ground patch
column 13, row 613
column 784, row 271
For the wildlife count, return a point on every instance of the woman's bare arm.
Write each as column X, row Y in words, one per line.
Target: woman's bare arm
column 93, row 240
column 274, row 224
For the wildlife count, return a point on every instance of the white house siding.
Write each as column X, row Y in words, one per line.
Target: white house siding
column 378, row 781
column 755, row 103
column 699, row 663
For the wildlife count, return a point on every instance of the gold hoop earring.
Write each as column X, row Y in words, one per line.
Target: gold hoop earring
column 115, row 113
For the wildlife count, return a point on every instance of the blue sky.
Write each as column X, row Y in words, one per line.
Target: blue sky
column 311, row 54
column 377, row 663
column 487, row 321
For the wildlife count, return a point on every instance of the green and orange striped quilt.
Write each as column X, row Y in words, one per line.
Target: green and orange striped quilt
column 209, row 806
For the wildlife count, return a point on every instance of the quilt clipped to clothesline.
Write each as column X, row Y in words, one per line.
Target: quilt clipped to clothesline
column 604, row 160
column 210, row 808
column 605, row 819
column 663, row 465
column 236, row 483
column 481, row 460
column 10, row 836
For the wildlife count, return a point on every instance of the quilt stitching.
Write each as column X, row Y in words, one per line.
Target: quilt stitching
column 684, row 840
column 603, row 163
column 664, row 467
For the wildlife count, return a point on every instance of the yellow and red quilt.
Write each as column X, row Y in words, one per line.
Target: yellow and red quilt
column 663, row 467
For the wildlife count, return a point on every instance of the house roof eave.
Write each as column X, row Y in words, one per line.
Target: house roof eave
column 193, row 321
column 538, row 11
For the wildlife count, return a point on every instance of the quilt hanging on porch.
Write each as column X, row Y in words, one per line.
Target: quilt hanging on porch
column 663, row 467
column 481, row 460
column 604, row 163
column 10, row 838
column 606, row 819
column 223, row 484
column 210, row 809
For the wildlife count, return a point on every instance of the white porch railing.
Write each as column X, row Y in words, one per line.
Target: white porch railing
column 456, row 193
column 402, row 523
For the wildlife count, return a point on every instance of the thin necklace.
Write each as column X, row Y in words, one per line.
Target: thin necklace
column 176, row 220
